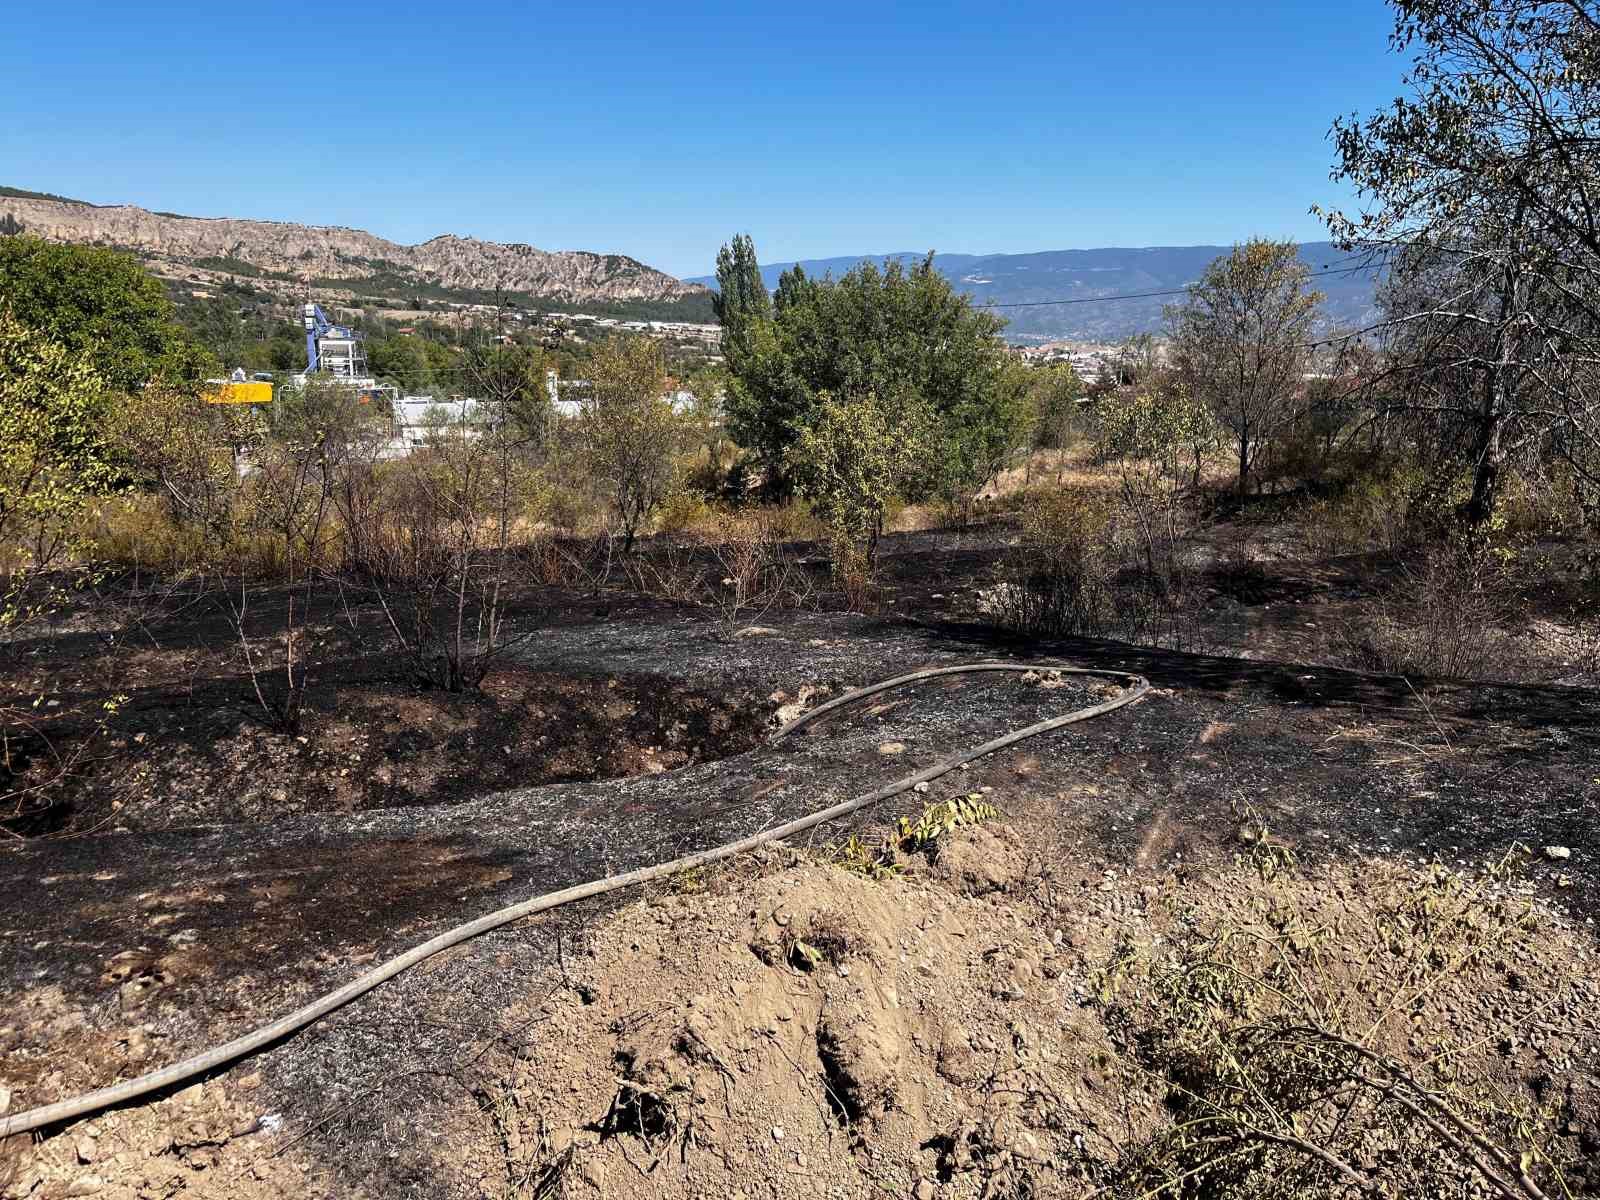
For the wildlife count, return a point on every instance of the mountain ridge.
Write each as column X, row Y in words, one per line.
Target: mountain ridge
column 1089, row 278
column 311, row 254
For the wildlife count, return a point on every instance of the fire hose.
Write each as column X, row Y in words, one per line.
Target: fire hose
column 209, row 1060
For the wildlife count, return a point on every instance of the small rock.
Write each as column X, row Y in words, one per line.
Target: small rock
column 923, row 1190
column 921, row 787
column 750, row 631
column 1558, row 853
column 888, row 749
column 85, row 1185
column 86, row 1149
column 777, row 1133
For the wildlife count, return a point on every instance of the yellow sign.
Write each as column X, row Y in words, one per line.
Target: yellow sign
column 255, row 392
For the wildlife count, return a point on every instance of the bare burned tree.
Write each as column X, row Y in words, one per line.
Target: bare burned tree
column 1481, row 186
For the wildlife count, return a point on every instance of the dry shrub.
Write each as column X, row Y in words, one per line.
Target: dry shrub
column 686, row 512
column 1446, row 616
column 1308, row 1042
column 438, row 557
column 553, row 504
column 1059, row 580
column 139, row 533
column 758, row 573
column 794, row 522
column 1390, row 508
column 672, row 571
column 852, row 573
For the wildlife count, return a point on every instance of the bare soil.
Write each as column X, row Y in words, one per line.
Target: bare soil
column 783, row 1026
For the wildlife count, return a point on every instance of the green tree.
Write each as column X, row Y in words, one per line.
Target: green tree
column 628, row 436
column 1053, row 410
column 1240, row 342
column 402, row 358
column 877, row 331
column 741, row 299
column 849, row 462
column 52, row 461
column 100, row 305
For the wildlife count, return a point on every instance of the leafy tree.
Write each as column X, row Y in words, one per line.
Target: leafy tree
column 628, row 435
column 1054, row 392
column 741, row 299
column 402, row 358
column 1481, row 185
column 1240, row 342
column 52, row 460
column 849, row 462
column 101, row 305
column 883, row 332
column 509, row 378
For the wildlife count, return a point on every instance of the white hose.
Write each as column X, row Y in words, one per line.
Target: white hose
column 209, row 1060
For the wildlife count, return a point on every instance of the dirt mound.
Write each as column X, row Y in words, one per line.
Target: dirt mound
column 966, row 1021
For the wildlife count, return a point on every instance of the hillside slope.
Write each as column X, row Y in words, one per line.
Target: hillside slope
column 313, row 253
column 1083, row 276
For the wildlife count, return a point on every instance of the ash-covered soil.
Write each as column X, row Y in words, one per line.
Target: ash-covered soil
column 124, row 950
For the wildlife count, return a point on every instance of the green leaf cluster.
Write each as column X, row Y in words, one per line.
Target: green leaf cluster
column 942, row 819
column 53, row 458
column 102, row 306
column 887, row 332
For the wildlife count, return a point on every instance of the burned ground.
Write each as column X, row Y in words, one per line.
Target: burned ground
column 128, row 947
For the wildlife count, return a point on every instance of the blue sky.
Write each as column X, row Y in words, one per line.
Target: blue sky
column 657, row 130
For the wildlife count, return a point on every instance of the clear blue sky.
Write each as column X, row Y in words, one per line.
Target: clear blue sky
column 658, row 129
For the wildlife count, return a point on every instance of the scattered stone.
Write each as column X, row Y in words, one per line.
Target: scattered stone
column 777, row 1133
column 888, row 749
column 85, row 1185
column 85, row 1149
column 921, row 788
column 1558, row 853
column 924, row 1190
column 750, row 631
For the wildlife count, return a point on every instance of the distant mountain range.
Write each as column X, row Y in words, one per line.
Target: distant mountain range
column 351, row 260
column 1086, row 277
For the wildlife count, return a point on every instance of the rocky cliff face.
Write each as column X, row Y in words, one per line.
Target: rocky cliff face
column 329, row 252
